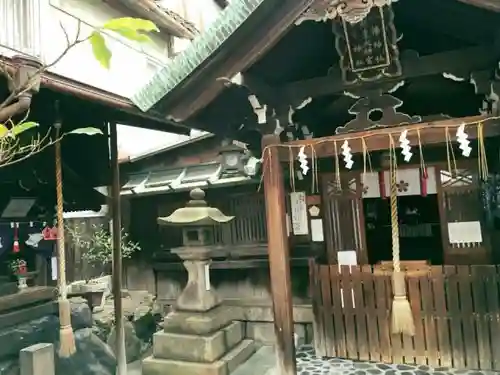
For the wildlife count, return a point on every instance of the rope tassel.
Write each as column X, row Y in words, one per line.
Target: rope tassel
column 67, row 339
column 401, row 318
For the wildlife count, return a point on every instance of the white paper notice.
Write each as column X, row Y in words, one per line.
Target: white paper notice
column 207, row 276
column 465, row 233
column 53, row 267
column 298, row 206
column 317, row 230
column 347, row 258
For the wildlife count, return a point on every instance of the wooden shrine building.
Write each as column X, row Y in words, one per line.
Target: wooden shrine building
column 378, row 126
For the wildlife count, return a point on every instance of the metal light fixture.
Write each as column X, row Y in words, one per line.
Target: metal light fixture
column 232, row 158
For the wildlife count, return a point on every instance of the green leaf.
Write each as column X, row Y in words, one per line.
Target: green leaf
column 130, row 23
column 100, row 49
column 3, row 130
column 86, row 131
column 22, row 127
column 133, row 35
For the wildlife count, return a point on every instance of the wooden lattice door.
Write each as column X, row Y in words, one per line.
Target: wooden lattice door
column 344, row 219
column 459, row 195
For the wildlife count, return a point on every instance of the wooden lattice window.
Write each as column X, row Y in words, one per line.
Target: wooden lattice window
column 249, row 224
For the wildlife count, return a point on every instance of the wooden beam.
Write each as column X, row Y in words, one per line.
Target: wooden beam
column 492, row 5
column 121, row 356
column 463, row 60
column 230, row 61
column 378, row 139
column 279, row 262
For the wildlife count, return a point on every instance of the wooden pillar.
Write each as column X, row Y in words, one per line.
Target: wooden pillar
column 279, row 264
column 117, row 254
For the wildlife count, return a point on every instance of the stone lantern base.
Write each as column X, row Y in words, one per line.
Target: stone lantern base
column 198, row 344
column 200, row 337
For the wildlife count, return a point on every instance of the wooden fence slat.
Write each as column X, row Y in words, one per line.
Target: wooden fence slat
column 414, row 295
column 338, row 312
column 360, row 314
column 456, row 311
column 347, row 293
column 455, row 315
column 481, row 316
column 441, row 319
column 396, row 340
column 429, row 322
column 491, row 281
column 371, row 313
column 327, row 311
column 467, row 317
column 318, row 330
column 383, row 310
column 408, row 348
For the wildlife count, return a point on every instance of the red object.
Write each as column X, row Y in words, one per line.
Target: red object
column 49, row 234
column 22, row 269
column 15, row 246
column 424, row 176
column 381, row 182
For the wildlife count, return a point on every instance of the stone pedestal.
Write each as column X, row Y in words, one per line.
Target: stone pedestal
column 199, row 337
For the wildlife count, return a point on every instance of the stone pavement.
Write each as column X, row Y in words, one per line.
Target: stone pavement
column 308, row 364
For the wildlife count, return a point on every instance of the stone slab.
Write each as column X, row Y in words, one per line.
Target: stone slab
column 261, row 362
column 37, row 359
column 224, row 366
column 157, row 366
column 23, row 315
column 263, row 332
column 195, row 348
column 28, row 296
column 240, row 354
column 198, row 323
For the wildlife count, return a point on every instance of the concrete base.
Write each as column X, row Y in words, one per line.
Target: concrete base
column 198, row 323
column 224, row 366
column 196, row 348
column 194, row 343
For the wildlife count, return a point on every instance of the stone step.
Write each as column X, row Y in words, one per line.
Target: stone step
column 223, row 366
column 261, row 362
column 195, row 348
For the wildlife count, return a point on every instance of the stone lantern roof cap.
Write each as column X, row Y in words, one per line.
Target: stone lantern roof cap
column 196, row 213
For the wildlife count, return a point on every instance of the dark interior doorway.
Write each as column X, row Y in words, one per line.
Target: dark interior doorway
column 419, row 229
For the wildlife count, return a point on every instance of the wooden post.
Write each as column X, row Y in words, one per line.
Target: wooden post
column 279, row 264
column 117, row 254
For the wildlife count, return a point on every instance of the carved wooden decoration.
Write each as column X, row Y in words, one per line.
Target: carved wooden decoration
column 384, row 106
column 368, row 49
column 351, row 11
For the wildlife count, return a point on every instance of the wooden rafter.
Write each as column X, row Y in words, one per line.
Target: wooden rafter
column 463, row 60
column 493, row 5
column 379, row 139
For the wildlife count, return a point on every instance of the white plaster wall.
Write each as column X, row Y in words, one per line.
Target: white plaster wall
column 132, row 63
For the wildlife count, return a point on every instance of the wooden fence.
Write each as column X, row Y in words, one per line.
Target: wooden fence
column 456, row 311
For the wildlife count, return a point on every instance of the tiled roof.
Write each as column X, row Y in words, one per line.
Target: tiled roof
column 202, row 47
column 181, row 179
column 190, row 26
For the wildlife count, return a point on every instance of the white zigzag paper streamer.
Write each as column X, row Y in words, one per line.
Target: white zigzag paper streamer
column 463, row 141
column 346, row 153
column 404, row 143
column 303, row 161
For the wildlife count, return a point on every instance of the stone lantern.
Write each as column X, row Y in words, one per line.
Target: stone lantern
column 198, row 221
column 200, row 336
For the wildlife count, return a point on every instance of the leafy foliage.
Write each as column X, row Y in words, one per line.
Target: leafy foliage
column 134, row 29
column 98, row 245
column 12, row 149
